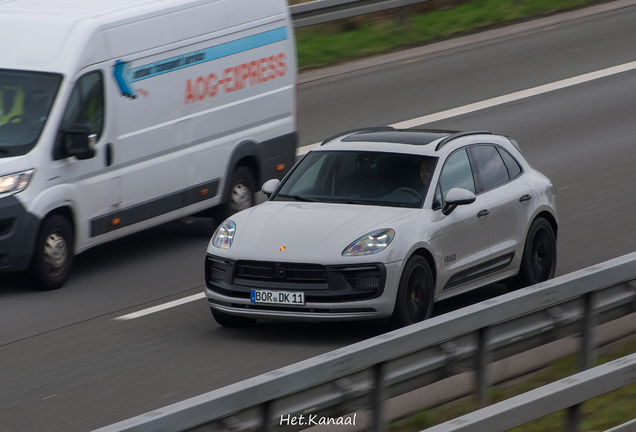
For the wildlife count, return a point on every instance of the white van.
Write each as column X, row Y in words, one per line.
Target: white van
column 118, row 115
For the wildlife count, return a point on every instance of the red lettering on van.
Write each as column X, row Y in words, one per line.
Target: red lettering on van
column 255, row 73
column 227, row 79
column 189, row 94
column 236, row 78
column 282, row 66
column 213, row 89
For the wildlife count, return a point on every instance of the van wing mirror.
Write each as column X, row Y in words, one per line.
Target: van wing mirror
column 455, row 197
column 79, row 140
column 270, row 186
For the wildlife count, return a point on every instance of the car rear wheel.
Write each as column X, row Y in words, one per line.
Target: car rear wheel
column 53, row 257
column 414, row 301
column 231, row 320
column 538, row 263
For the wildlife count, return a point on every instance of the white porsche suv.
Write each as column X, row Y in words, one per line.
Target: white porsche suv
column 380, row 223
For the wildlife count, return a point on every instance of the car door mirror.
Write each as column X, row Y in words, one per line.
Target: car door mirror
column 270, row 186
column 79, row 140
column 455, row 197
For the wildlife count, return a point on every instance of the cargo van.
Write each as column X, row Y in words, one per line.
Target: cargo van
column 119, row 115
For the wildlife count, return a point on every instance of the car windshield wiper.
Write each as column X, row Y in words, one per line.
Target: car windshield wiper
column 298, row 197
column 4, row 150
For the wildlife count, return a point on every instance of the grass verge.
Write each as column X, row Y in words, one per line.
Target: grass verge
column 600, row 413
column 320, row 45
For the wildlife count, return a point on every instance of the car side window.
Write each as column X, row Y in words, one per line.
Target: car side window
column 513, row 166
column 492, row 170
column 86, row 103
column 457, row 173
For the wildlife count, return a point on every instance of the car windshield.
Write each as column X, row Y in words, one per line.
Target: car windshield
column 360, row 177
column 25, row 101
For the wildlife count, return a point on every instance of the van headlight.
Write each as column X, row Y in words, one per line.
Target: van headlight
column 371, row 243
column 224, row 235
column 14, row 183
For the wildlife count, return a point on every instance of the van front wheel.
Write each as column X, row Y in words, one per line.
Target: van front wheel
column 53, row 257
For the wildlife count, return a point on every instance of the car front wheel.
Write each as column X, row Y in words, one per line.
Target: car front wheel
column 414, row 301
column 538, row 263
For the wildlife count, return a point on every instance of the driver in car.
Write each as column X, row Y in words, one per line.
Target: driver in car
column 426, row 170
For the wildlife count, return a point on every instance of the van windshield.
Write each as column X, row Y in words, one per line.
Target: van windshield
column 25, row 102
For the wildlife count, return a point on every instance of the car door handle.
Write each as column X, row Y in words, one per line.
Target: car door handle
column 483, row 213
column 525, row 197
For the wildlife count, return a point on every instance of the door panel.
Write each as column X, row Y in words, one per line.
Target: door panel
column 508, row 218
column 464, row 240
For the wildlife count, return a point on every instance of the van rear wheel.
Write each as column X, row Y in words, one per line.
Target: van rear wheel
column 243, row 188
column 53, row 257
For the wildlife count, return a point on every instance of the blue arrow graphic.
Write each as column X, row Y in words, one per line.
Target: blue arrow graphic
column 121, row 71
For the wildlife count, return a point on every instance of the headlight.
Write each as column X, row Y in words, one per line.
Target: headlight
column 14, row 183
column 224, row 235
column 371, row 243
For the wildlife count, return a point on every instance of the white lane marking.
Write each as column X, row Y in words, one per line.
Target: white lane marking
column 433, row 118
column 489, row 103
column 160, row 307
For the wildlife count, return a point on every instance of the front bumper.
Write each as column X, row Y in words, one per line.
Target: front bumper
column 18, row 229
column 332, row 293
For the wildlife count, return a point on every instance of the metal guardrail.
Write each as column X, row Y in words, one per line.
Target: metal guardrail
column 567, row 394
column 369, row 372
column 322, row 11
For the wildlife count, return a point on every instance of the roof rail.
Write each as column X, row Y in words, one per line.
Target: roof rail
column 457, row 135
column 364, row 129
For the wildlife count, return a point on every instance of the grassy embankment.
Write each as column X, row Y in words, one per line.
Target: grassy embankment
column 601, row 413
column 361, row 37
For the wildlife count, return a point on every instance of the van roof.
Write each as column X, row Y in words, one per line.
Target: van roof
column 42, row 34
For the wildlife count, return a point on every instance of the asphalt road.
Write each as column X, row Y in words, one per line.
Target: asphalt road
column 66, row 365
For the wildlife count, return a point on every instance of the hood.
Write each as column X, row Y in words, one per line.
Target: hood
column 14, row 164
column 311, row 232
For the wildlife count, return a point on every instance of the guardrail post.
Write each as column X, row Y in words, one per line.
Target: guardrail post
column 267, row 416
column 586, row 356
column 378, row 397
column 481, row 367
column 400, row 16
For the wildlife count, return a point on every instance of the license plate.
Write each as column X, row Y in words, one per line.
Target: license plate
column 277, row 297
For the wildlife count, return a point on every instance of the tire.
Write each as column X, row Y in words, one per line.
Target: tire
column 231, row 320
column 539, row 259
column 242, row 190
column 415, row 296
column 53, row 256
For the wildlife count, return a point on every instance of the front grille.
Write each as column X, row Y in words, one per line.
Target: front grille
column 281, row 272
column 362, row 277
